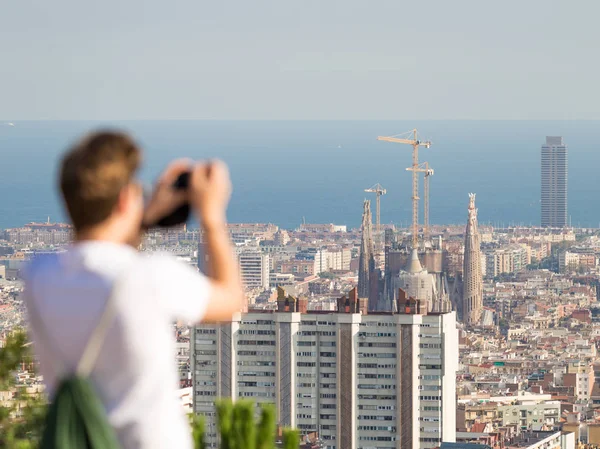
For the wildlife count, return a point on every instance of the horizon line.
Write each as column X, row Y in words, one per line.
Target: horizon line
column 7, row 121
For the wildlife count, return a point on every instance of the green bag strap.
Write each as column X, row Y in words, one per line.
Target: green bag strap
column 94, row 345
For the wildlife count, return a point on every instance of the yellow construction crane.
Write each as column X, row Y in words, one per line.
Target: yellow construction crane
column 427, row 172
column 378, row 191
column 416, row 143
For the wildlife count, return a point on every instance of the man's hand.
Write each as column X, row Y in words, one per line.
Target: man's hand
column 209, row 193
column 165, row 199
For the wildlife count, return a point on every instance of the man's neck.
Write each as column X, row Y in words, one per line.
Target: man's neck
column 84, row 239
column 105, row 234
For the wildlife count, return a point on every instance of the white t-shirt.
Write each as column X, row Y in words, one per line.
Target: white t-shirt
column 135, row 373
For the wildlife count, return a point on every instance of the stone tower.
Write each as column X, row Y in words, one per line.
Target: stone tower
column 472, row 289
column 366, row 262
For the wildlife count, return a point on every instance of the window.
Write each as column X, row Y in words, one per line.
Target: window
column 254, row 363
column 378, row 428
column 327, row 364
column 376, row 345
column 303, row 416
column 430, row 366
column 256, row 374
column 256, row 342
column 328, row 396
column 207, row 352
column 257, row 353
column 430, row 408
column 375, row 417
column 256, row 394
column 256, row 332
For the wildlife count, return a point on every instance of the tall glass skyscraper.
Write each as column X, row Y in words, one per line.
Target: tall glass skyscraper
column 554, row 183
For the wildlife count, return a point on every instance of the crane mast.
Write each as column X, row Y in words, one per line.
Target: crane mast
column 427, row 173
column 415, row 143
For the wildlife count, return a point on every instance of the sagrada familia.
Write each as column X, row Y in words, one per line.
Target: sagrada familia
column 418, row 272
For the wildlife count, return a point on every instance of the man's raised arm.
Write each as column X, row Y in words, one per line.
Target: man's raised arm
column 210, row 189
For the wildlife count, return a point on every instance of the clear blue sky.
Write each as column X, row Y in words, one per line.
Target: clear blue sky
column 305, row 59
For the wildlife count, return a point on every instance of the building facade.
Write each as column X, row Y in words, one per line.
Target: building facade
column 526, row 414
column 332, row 259
column 507, row 259
column 362, row 381
column 554, row 183
column 254, row 268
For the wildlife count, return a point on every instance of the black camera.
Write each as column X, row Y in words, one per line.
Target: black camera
column 180, row 215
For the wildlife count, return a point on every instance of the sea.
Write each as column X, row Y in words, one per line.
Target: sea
column 287, row 172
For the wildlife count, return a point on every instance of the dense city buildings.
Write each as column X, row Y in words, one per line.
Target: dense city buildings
column 554, row 183
column 392, row 367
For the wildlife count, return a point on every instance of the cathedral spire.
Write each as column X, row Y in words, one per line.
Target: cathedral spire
column 366, row 262
column 472, row 297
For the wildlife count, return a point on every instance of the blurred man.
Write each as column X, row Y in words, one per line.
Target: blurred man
column 134, row 374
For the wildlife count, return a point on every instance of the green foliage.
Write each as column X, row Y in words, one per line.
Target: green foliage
column 21, row 422
column 238, row 428
column 244, row 425
column 225, row 423
column 198, row 426
column 267, row 427
column 291, row 439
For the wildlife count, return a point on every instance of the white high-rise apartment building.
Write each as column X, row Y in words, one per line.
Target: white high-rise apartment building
column 254, row 267
column 327, row 260
column 554, row 183
column 362, row 381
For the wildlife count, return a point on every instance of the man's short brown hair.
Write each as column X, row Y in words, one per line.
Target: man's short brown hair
column 94, row 172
